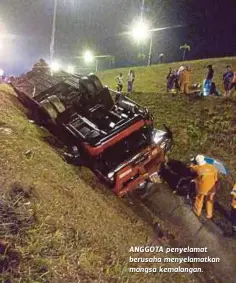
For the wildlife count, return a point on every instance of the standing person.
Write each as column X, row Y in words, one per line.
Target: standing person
column 176, row 81
column 233, row 83
column 119, row 80
column 210, row 73
column 205, row 186
column 227, row 79
column 130, row 81
column 161, row 56
column 171, row 77
column 209, row 78
column 180, row 76
column 133, row 77
column 181, row 79
column 207, row 86
column 168, row 78
column 185, row 80
column 233, row 210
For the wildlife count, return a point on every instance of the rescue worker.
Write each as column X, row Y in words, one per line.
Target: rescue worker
column 227, row 79
column 233, row 210
column 185, row 81
column 207, row 177
column 119, row 80
column 180, row 77
column 160, row 57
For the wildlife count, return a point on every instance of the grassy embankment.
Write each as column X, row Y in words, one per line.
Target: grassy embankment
column 205, row 126
column 57, row 223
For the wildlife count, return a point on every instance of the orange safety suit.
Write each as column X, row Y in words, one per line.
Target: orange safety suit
column 205, row 184
column 184, row 81
column 233, row 210
column 233, row 203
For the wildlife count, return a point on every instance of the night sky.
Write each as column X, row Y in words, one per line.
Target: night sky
column 210, row 27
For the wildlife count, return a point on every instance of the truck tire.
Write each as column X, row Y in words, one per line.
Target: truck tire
column 97, row 82
column 89, row 86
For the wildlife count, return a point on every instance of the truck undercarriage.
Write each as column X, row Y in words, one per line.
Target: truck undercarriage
column 114, row 138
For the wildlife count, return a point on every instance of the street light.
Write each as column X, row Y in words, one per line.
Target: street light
column 88, row 57
column 140, row 31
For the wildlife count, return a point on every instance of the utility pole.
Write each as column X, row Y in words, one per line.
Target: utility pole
column 96, row 64
column 142, row 9
column 150, row 51
column 52, row 50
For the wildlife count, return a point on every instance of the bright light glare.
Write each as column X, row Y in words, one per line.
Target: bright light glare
column 140, row 31
column 71, row 69
column 55, row 66
column 88, row 57
column 1, row 72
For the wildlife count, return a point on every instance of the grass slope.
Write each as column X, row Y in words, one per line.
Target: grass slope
column 153, row 79
column 200, row 125
column 58, row 224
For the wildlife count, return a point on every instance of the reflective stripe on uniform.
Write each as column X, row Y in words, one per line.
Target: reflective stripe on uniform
column 233, row 203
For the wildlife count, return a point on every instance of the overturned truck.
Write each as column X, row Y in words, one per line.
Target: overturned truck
column 115, row 138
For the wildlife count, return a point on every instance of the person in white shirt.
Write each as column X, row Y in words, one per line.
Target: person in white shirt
column 130, row 81
column 119, row 80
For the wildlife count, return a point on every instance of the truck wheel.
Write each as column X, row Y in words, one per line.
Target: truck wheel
column 97, row 82
column 89, row 86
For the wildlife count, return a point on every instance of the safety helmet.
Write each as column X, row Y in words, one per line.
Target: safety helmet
column 200, row 159
column 233, row 192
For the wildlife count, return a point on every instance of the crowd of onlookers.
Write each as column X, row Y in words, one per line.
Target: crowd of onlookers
column 130, row 82
column 180, row 81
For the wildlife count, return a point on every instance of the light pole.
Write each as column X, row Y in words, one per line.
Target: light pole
column 96, row 62
column 150, row 51
column 52, row 51
column 142, row 9
column 140, row 31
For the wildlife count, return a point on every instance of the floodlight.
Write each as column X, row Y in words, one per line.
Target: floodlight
column 55, row 66
column 140, row 31
column 88, row 57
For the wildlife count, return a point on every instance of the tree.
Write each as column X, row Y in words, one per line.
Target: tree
column 185, row 47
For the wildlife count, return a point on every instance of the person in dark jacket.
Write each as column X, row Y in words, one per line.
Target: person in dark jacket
column 210, row 73
column 227, row 78
column 170, row 79
column 209, row 87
